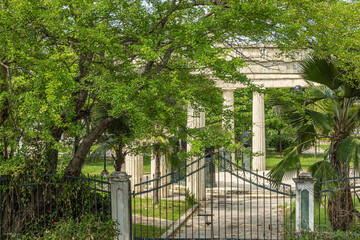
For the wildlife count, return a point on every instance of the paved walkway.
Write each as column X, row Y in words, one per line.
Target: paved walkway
column 237, row 216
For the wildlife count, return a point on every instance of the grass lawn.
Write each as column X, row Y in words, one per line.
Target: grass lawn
column 171, row 210
column 148, row 231
column 95, row 168
column 273, row 158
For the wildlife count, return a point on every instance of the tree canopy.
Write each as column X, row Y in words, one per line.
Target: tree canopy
column 145, row 60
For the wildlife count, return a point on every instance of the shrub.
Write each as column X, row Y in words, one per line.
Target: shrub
column 49, row 199
column 273, row 142
column 339, row 235
column 85, row 228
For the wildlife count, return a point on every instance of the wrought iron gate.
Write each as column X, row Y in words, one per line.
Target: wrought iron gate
column 231, row 203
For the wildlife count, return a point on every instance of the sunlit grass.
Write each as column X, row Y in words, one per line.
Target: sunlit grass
column 147, row 231
column 95, row 168
column 171, row 210
column 306, row 160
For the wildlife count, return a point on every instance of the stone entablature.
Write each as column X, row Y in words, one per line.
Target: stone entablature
column 267, row 68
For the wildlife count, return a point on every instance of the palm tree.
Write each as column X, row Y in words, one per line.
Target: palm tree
column 332, row 112
column 160, row 146
column 117, row 136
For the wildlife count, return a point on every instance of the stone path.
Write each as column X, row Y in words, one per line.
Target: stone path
column 237, row 217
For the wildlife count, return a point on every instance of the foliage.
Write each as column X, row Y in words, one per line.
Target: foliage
column 328, row 28
column 272, row 141
column 242, row 111
column 86, row 227
column 63, row 58
column 190, row 198
column 339, row 235
column 330, row 111
column 49, row 199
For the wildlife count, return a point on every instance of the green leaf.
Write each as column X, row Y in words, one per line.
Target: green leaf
column 349, row 150
column 323, row 170
column 290, row 162
column 322, row 121
column 321, row 71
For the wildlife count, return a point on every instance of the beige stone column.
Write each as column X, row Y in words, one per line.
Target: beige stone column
column 134, row 168
column 164, row 169
column 258, row 129
column 196, row 182
column 228, row 111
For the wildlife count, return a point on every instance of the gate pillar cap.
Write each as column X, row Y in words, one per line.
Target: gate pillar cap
column 304, row 177
column 119, row 176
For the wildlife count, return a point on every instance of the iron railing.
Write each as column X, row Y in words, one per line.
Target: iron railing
column 30, row 204
column 238, row 204
column 337, row 204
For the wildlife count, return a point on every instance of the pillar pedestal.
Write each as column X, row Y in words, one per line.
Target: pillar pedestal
column 304, row 219
column 121, row 204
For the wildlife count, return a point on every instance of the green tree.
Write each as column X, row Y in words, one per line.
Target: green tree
column 60, row 58
column 118, row 135
column 278, row 101
column 327, row 28
column 331, row 112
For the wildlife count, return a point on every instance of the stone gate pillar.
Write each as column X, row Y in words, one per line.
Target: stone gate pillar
column 258, row 129
column 195, row 182
column 121, row 204
column 304, row 202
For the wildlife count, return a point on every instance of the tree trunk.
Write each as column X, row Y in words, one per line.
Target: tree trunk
column 52, row 155
column 156, row 176
column 75, row 165
column 341, row 208
column 340, row 205
column 4, row 76
column 5, row 149
column 279, row 141
column 120, row 159
column 76, row 143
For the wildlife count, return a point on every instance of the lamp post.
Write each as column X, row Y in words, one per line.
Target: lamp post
column 104, row 172
column 298, row 88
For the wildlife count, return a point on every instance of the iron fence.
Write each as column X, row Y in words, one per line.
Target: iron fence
column 31, row 204
column 232, row 203
column 337, row 204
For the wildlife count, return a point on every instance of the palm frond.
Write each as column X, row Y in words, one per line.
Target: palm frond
column 295, row 119
column 315, row 94
column 306, row 137
column 322, row 122
column 321, row 71
column 350, row 92
column 290, row 162
column 104, row 147
column 349, row 150
column 323, row 170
